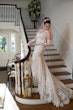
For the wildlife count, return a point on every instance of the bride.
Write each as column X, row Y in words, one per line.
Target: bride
column 50, row 88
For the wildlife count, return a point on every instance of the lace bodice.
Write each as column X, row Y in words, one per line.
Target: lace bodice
column 41, row 37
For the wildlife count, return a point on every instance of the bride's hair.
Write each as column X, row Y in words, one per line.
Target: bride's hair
column 47, row 20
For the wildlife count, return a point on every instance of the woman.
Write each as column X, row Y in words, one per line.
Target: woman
column 50, row 88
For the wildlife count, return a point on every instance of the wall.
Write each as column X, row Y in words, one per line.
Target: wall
column 26, row 18
column 60, row 12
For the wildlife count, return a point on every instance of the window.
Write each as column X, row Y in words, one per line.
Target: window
column 3, row 44
column 7, row 42
column 12, row 42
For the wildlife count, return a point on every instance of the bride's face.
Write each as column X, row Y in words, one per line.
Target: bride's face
column 47, row 26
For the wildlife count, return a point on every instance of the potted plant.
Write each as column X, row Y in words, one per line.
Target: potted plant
column 34, row 8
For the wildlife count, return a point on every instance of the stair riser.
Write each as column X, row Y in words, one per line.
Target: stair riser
column 31, row 30
column 31, row 33
column 51, row 52
column 55, row 63
column 50, row 47
column 63, row 77
column 32, row 36
column 47, row 52
column 58, row 69
column 52, row 57
column 70, row 85
column 47, row 47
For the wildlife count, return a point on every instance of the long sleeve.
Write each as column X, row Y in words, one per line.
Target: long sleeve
column 49, row 39
column 30, row 42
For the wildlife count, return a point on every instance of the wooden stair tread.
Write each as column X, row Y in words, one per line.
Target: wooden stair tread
column 67, row 81
column 47, row 49
column 48, row 46
column 54, row 60
column 61, row 73
column 56, row 66
column 50, row 49
column 34, row 96
column 51, row 54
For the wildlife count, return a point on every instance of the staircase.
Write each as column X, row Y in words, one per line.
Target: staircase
column 54, row 61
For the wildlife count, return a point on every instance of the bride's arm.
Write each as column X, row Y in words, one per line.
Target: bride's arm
column 30, row 42
column 49, row 39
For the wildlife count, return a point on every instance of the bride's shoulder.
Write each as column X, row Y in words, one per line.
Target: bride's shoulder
column 48, row 31
column 41, row 30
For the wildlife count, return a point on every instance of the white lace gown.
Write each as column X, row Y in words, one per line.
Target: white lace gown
column 50, row 88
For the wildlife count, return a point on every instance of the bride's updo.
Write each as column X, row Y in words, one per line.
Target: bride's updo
column 47, row 20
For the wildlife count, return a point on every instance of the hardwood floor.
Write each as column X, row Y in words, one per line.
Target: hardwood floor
column 41, row 107
column 45, row 107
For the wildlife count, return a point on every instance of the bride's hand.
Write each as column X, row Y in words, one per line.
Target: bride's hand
column 28, row 44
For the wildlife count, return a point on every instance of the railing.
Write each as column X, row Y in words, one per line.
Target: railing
column 8, row 13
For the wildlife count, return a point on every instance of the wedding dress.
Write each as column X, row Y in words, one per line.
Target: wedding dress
column 50, row 88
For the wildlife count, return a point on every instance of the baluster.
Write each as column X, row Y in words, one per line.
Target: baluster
column 0, row 13
column 22, row 76
column 10, row 14
column 5, row 15
column 18, row 72
column 16, row 79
